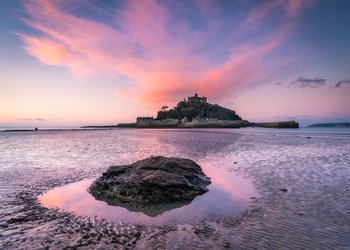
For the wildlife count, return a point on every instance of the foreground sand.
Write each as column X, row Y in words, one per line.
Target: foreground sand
column 303, row 203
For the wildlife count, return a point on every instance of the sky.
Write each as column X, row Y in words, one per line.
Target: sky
column 67, row 63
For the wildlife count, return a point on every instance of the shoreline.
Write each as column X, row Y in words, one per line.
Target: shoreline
column 95, row 128
column 115, row 127
column 278, row 125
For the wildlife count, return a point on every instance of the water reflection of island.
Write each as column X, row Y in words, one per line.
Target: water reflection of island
column 149, row 209
column 198, row 144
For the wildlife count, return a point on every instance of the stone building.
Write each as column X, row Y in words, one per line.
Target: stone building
column 197, row 98
column 144, row 120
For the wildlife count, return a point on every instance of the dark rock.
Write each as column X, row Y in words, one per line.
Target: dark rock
column 226, row 244
column 283, row 189
column 17, row 220
column 283, row 124
column 152, row 180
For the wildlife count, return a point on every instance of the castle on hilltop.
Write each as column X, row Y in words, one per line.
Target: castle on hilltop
column 193, row 112
column 196, row 98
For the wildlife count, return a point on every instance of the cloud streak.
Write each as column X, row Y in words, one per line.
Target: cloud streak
column 304, row 82
column 341, row 83
column 164, row 55
column 31, row 119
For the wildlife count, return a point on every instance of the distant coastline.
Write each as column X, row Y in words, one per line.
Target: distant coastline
column 285, row 124
column 330, row 125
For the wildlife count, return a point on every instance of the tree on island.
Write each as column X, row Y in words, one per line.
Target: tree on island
column 164, row 109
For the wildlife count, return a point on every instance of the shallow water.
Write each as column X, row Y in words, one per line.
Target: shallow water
column 229, row 194
column 312, row 165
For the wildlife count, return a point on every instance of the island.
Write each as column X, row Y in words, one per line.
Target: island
column 196, row 112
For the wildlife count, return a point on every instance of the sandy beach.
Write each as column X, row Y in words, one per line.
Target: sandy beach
column 301, row 180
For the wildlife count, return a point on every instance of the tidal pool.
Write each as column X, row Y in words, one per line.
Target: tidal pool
column 228, row 195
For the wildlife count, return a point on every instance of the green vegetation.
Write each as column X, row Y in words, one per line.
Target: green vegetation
column 191, row 110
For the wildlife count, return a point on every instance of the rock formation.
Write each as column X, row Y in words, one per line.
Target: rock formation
column 152, row 180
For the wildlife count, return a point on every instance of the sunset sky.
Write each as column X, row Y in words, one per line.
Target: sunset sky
column 78, row 62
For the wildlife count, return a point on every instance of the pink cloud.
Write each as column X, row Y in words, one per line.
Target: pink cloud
column 295, row 7
column 283, row 8
column 165, row 63
column 243, row 64
column 48, row 51
column 261, row 11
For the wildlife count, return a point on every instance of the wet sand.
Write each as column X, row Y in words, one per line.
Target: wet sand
column 303, row 182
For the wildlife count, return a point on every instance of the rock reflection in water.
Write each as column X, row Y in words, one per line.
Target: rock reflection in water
column 150, row 209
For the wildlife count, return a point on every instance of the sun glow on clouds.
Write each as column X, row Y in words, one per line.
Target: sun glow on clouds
column 165, row 57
